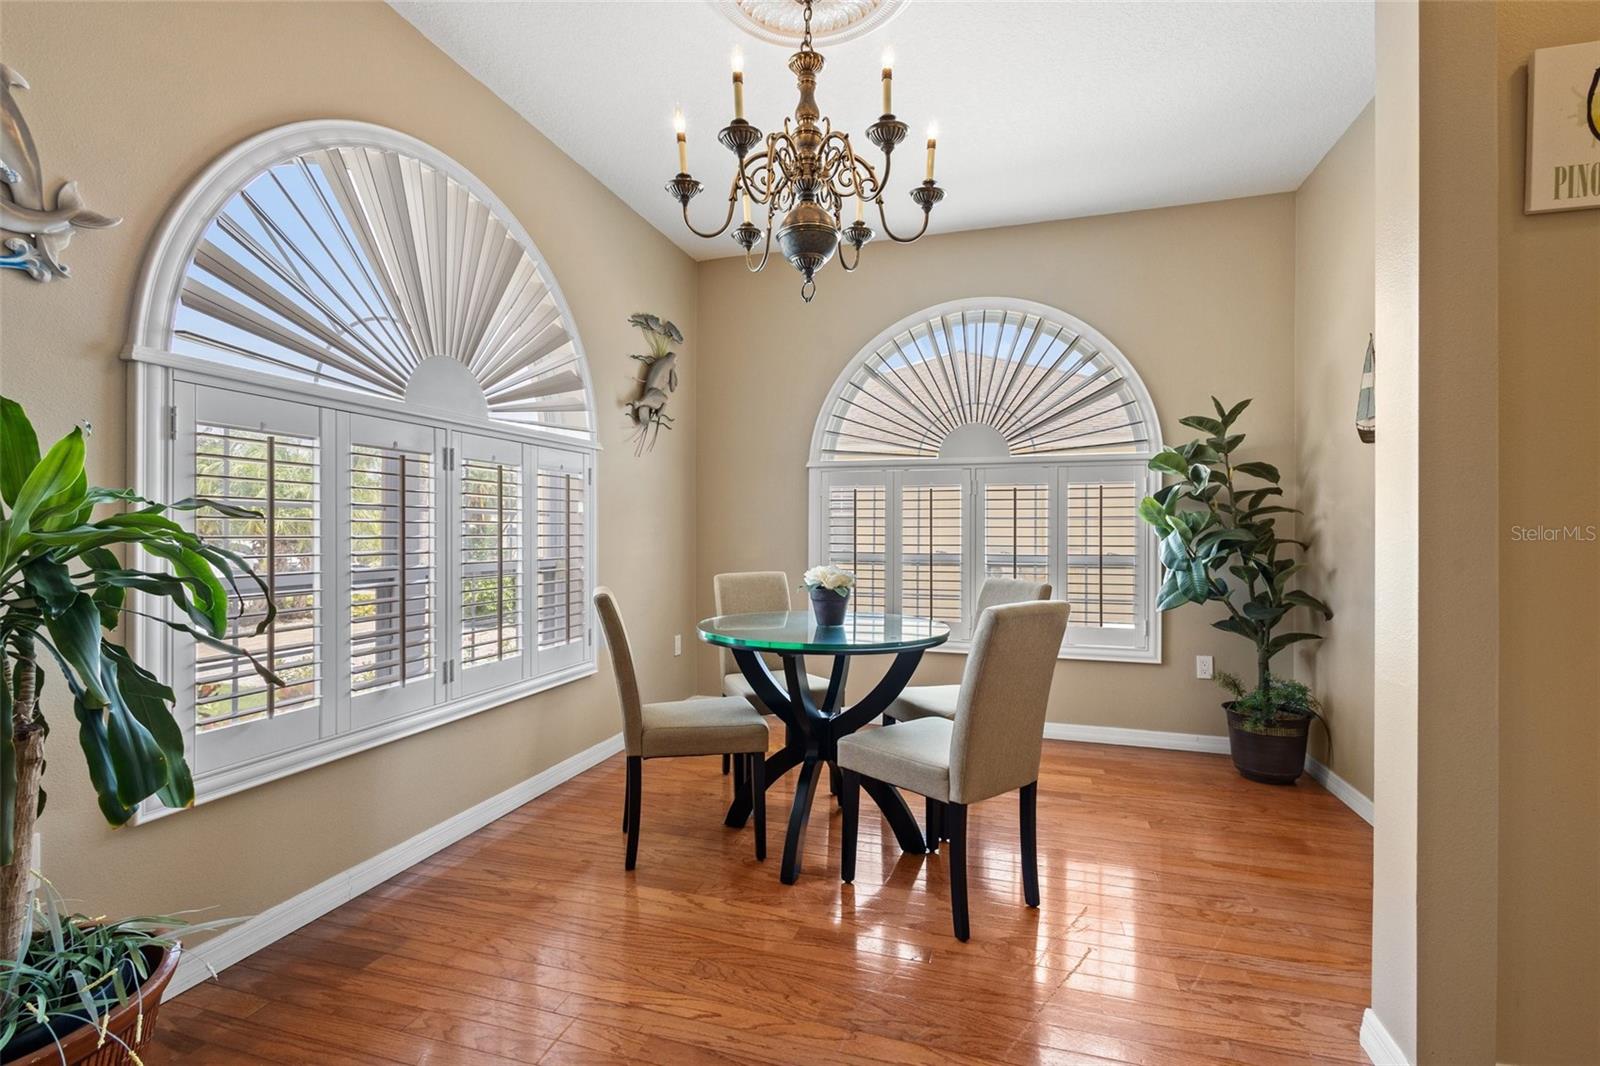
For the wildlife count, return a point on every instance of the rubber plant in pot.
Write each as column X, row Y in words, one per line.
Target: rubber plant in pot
column 77, row 989
column 1217, row 520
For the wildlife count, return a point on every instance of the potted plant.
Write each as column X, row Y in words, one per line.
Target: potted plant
column 63, row 591
column 1217, row 520
column 830, row 592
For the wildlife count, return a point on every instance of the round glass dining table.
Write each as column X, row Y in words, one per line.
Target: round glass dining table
column 811, row 729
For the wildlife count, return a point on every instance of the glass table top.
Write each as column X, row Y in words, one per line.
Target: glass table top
column 798, row 631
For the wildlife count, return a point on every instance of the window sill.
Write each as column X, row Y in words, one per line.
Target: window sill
column 1145, row 656
column 234, row 779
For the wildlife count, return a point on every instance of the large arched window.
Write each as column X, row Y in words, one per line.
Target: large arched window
column 343, row 330
column 992, row 437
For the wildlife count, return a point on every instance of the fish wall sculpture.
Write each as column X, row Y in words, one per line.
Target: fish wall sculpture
column 34, row 232
column 647, row 411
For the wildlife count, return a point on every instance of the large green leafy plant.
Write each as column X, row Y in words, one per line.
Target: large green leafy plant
column 1217, row 520
column 63, row 591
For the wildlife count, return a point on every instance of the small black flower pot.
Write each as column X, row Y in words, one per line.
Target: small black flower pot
column 828, row 606
column 1273, row 755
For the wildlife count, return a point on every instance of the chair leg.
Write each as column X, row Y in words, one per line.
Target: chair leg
column 887, row 720
column 933, row 819
column 740, row 774
column 635, row 767
column 1030, row 843
column 627, row 788
column 850, row 801
column 758, row 801
column 955, row 825
column 834, row 782
column 725, row 761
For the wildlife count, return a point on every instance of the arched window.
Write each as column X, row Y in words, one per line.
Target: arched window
column 343, row 330
column 992, row 437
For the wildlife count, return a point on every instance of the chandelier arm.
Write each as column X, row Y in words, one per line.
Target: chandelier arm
column 884, row 218
column 849, row 267
column 766, row 251
column 733, row 198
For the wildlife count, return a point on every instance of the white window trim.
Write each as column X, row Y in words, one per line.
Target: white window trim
column 822, row 473
column 156, row 373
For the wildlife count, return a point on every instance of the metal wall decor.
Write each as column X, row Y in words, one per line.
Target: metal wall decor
column 804, row 175
column 660, row 379
column 1366, row 410
column 34, row 231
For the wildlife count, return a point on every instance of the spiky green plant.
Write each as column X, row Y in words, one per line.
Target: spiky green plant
column 63, row 591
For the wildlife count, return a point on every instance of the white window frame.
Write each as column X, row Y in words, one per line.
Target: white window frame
column 1142, row 644
column 163, row 387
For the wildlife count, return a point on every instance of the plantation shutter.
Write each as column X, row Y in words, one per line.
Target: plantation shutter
column 391, row 493
column 856, row 532
column 490, row 500
column 1102, row 560
column 267, row 457
column 932, row 533
column 561, row 558
column 1016, row 526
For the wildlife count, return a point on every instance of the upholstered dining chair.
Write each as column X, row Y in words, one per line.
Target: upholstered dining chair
column 753, row 592
column 703, row 725
column 924, row 701
column 988, row 748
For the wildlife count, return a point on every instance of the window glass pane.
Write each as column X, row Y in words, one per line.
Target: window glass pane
column 391, row 567
column 1016, row 531
column 491, row 562
column 275, row 475
column 1102, row 545
column 857, row 527
column 562, row 558
column 930, row 552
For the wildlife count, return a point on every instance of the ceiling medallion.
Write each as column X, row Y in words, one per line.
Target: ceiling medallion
column 804, row 174
column 835, row 21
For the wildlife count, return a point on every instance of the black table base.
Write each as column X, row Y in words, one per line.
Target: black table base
column 811, row 736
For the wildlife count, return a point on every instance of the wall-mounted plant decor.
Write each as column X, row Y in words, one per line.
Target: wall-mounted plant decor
column 34, row 232
column 1366, row 401
column 647, row 412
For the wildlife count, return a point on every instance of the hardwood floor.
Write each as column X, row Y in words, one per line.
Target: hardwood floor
column 1188, row 916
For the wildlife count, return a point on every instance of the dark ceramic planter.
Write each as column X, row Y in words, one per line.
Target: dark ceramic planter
column 1273, row 756
column 828, row 606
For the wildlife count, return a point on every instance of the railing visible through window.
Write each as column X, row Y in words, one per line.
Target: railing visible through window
column 1102, row 550
column 391, row 567
column 275, row 475
column 491, row 562
column 930, row 552
column 1016, row 531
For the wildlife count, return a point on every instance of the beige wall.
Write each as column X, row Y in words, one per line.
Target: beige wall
column 1200, row 299
column 1333, row 308
column 1549, row 277
column 132, row 100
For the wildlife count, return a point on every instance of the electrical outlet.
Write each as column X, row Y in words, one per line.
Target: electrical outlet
column 1202, row 667
column 677, row 643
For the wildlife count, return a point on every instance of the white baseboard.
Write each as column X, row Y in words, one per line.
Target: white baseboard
column 1135, row 738
column 1378, row 1045
column 1205, row 742
column 1341, row 788
column 255, row 933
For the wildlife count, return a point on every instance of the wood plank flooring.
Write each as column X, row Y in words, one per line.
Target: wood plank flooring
column 1189, row 917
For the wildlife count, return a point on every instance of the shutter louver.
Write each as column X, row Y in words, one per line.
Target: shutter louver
column 930, row 547
column 276, row 475
column 857, row 530
column 1102, row 550
column 1016, row 532
column 391, row 567
column 491, row 562
column 562, row 558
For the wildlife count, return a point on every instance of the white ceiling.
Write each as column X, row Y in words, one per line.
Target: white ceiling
column 1045, row 110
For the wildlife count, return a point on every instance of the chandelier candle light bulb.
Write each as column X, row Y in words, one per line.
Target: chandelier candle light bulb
column 683, row 141
column 802, row 175
column 933, row 142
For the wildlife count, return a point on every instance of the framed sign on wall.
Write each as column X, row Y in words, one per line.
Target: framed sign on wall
column 1564, row 128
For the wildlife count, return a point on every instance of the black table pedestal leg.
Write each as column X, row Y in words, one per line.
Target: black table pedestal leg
column 894, row 808
column 794, row 844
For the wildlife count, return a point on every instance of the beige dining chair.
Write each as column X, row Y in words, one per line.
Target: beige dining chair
column 939, row 701
column 754, row 592
column 702, row 725
column 990, row 747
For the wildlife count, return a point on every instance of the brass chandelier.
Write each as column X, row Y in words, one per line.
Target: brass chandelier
column 804, row 177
